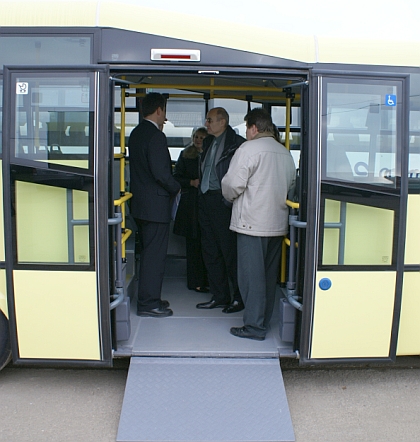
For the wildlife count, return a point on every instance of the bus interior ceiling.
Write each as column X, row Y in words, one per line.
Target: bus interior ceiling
column 194, row 332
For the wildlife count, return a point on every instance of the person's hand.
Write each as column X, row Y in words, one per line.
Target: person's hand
column 195, row 183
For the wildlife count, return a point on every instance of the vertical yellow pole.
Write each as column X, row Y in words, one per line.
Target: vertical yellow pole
column 122, row 164
column 283, row 262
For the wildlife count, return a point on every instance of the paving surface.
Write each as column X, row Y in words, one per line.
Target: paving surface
column 340, row 404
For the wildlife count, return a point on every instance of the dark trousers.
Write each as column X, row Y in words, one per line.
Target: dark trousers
column 218, row 247
column 258, row 266
column 154, row 239
column 196, row 270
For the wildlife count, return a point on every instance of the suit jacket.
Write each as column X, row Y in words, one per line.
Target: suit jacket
column 152, row 184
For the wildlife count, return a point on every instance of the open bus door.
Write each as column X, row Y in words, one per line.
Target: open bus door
column 356, row 217
column 56, row 161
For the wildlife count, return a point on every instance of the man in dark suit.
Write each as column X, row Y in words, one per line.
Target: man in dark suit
column 153, row 188
column 214, row 212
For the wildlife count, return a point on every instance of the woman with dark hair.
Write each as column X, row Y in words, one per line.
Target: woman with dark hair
column 186, row 220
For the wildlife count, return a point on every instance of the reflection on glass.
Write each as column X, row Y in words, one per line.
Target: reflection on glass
column 360, row 133
column 52, row 224
column 357, row 235
column 53, row 119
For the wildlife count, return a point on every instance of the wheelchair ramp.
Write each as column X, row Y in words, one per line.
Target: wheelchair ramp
column 204, row 399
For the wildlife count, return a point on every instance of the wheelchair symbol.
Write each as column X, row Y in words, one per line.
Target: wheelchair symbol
column 391, row 100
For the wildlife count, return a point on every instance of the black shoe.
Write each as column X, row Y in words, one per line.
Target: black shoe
column 158, row 312
column 164, row 304
column 236, row 306
column 211, row 304
column 243, row 332
column 201, row 289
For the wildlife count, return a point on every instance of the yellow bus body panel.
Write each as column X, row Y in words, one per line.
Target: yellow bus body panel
column 412, row 243
column 2, row 253
column 409, row 332
column 234, row 31
column 3, row 293
column 57, row 315
column 369, row 235
column 353, row 319
column 42, row 225
column 41, row 213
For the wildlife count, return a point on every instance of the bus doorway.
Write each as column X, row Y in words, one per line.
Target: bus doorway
column 190, row 361
column 190, row 96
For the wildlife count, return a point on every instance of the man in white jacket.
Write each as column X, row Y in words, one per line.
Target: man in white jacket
column 260, row 176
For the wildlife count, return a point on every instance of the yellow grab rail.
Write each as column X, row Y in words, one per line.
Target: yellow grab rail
column 292, row 204
column 123, row 199
column 126, row 232
column 285, row 244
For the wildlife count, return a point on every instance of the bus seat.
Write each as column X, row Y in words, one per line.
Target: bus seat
column 77, row 135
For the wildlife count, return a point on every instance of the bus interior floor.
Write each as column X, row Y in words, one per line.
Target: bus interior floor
column 193, row 332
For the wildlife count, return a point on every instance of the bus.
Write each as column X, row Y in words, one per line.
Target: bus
column 72, row 79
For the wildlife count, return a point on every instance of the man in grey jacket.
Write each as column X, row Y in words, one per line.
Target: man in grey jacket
column 260, row 176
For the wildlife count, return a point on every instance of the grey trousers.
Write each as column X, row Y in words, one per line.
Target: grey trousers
column 258, row 266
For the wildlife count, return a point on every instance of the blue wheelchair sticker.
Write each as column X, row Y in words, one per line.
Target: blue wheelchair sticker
column 390, row 100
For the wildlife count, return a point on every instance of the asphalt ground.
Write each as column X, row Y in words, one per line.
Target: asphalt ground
column 334, row 403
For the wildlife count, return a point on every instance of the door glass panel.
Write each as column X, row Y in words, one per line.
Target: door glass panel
column 52, row 222
column 360, row 132
column 54, row 123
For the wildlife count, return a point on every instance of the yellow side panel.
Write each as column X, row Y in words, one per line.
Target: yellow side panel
column 81, row 233
column 2, row 254
column 3, row 293
column 409, row 331
column 369, row 234
column 331, row 236
column 412, row 243
column 41, row 213
column 43, row 230
column 57, row 315
column 353, row 318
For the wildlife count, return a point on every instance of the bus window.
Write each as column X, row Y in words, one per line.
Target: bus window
column 53, row 121
column 414, row 140
column 45, row 49
column 278, row 114
column 360, row 142
column 183, row 116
